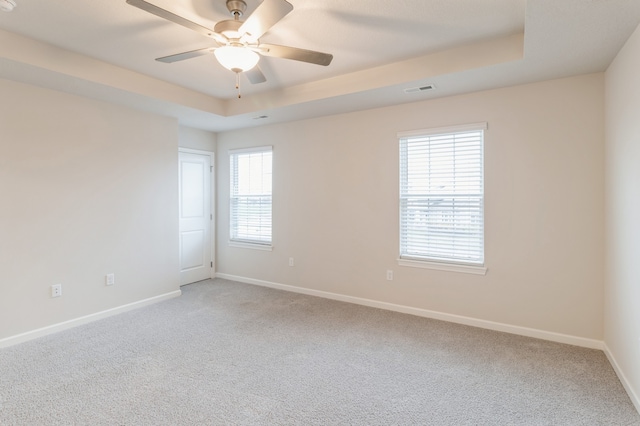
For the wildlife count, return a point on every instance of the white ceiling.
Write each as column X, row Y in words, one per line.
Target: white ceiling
column 105, row 49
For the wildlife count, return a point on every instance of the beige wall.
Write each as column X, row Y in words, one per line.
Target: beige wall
column 336, row 207
column 87, row 188
column 622, row 290
column 196, row 139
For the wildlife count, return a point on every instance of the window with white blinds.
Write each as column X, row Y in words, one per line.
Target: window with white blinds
column 250, row 195
column 442, row 195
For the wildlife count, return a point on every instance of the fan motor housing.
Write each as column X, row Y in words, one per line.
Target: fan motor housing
column 229, row 28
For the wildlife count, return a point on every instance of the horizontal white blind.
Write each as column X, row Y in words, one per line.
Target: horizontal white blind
column 250, row 195
column 442, row 196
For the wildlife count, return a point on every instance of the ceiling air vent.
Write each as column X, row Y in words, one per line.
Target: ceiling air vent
column 420, row 89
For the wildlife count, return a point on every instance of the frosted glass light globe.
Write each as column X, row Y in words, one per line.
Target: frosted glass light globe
column 236, row 58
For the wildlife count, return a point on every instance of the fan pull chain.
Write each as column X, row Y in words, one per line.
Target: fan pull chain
column 238, row 84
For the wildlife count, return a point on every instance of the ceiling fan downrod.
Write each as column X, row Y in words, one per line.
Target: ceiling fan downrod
column 236, row 8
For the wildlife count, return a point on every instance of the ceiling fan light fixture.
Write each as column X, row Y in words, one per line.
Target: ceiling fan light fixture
column 236, row 58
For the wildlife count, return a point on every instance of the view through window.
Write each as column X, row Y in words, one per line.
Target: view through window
column 250, row 200
column 442, row 195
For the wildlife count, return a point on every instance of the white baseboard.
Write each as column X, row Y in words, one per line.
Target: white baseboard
column 33, row 334
column 623, row 379
column 474, row 322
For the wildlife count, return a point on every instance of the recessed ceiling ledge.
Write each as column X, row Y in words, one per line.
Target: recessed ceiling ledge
column 21, row 50
column 463, row 58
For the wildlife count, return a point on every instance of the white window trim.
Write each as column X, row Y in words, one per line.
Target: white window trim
column 441, row 266
column 265, row 148
column 247, row 245
column 467, row 268
column 438, row 130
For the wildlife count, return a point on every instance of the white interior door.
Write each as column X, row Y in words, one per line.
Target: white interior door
column 196, row 260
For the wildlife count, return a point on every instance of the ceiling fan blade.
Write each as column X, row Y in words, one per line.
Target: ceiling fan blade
column 255, row 75
column 162, row 13
column 264, row 17
column 185, row 55
column 296, row 54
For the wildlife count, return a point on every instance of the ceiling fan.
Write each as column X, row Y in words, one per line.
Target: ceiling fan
column 238, row 42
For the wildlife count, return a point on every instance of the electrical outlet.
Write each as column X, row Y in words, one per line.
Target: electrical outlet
column 56, row 290
column 291, row 261
column 389, row 275
column 110, row 279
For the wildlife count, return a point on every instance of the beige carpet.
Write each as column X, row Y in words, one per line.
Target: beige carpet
column 232, row 354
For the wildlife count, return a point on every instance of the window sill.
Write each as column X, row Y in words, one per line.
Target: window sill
column 439, row 266
column 263, row 247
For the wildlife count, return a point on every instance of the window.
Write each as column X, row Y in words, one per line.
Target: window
column 250, row 196
column 442, row 196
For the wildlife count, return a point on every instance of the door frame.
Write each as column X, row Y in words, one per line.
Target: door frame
column 212, row 233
